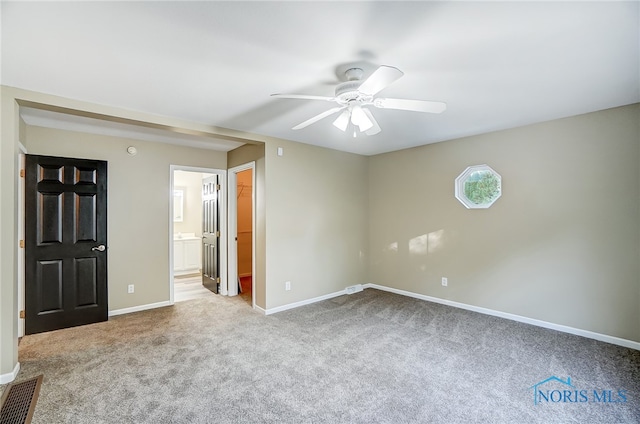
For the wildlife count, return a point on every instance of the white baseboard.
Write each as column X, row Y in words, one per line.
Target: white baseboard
column 563, row 328
column 303, row 302
column 259, row 309
column 139, row 308
column 10, row 376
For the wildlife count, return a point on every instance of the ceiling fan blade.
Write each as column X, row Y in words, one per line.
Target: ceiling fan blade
column 303, row 97
column 342, row 121
column 381, row 78
column 375, row 129
column 318, row 117
column 414, row 105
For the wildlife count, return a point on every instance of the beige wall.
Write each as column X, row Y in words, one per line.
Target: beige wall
column 192, row 209
column 242, row 156
column 317, row 212
column 138, row 199
column 562, row 243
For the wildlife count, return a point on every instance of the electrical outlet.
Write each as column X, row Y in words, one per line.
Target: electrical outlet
column 287, row 285
column 445, row 281
column 130, row 288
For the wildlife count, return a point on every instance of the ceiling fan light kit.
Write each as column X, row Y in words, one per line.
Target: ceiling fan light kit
column 354, row 95
column 342, row 121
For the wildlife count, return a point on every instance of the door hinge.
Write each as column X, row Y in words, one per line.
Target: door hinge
column 22, row 314
column 218, row 187
column 21, row 244
column 22, row 173
column 217, row 279
column 217, row 233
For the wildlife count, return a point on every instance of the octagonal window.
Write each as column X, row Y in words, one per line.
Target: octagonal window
column 478, row 187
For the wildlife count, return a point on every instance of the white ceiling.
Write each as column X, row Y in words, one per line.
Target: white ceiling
column 496, row 64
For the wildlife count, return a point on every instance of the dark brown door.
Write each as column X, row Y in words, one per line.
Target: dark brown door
column 65, row 243
column 211, row 233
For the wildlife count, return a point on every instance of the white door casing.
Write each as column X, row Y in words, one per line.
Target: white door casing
column 232, row 250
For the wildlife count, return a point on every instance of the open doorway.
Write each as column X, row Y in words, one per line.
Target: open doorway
column 242, row 231
column 197, row 249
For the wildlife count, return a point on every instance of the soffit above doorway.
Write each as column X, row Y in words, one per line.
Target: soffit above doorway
column 65, row 121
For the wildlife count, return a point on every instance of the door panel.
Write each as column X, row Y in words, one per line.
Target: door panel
column 86, row 225
column 210, row 234
column 49, row 218
column 86, row 272
column 65, row 219
column 49, row 286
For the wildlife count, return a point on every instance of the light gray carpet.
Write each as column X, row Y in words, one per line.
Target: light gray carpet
column 372, row 357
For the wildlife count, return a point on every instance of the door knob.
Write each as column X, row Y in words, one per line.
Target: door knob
column 100, row 248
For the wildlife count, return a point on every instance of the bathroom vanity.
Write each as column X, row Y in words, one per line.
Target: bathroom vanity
column 187, row 254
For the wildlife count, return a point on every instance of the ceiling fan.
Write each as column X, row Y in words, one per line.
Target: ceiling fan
column 354, row 95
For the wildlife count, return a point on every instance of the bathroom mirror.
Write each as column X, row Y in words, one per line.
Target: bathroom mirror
column 178, row 204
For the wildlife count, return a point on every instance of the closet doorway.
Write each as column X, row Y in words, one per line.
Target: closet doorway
column 242, row 231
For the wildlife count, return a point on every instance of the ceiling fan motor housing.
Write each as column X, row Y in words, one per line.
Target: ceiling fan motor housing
column 347, row 92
